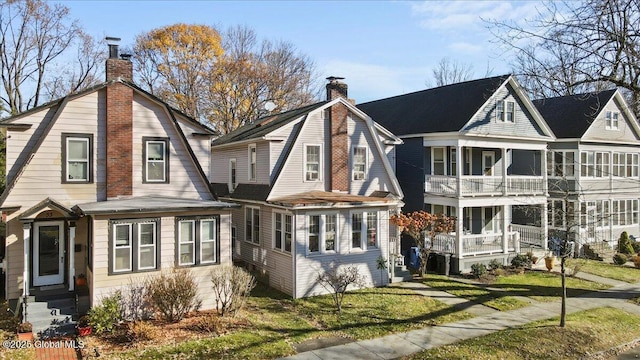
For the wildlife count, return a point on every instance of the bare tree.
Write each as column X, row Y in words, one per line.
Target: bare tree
column 574, row 47
column 450, row 72
column 33, row 34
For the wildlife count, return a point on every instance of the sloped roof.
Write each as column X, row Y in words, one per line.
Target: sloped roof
column 442, row 109
column 149, row 204
column 571, row 116
column 265, row 125
column 327, row 198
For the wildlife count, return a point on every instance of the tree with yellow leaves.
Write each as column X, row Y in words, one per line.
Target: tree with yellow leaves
column 422, row 226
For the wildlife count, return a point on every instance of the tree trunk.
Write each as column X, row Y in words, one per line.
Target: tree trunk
column 563, row 310
column 424, row 256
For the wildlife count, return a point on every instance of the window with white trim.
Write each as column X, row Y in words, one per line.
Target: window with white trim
column 198, row 241
column 252, row 224
column 364, row 230
column 625, row 164
column 77, row 158
column 133, row 245
column 505, row 111
column 233, row 172
column 156, row 160
column 594, row 164
column 453, row 161
column 322, row 233
column 561, row 163
column 612, row 120
column 282, row 229
column 359, row 163
column 312, row 162
column 252, row 162
column 438, row 161
column 624, row 212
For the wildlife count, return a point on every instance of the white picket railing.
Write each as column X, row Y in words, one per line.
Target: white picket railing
column 485, row 185
column 531, row 235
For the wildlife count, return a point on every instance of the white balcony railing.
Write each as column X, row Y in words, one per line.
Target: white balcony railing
column 475, row 244
column 484, row 185
column 531, row 235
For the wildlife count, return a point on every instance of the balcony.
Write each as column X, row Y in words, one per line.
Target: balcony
column 476, row 244
column 484, row 185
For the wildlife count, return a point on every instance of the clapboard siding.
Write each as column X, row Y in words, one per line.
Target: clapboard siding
column 201, row 145
column 376, row 177
column 485, row 121
column 151, row 120
column 598, row 132
column 220, row 163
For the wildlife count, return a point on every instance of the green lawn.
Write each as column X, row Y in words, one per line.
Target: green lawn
column 585, row 333
column 617, row 272
column 536, row 285
column 275, row 323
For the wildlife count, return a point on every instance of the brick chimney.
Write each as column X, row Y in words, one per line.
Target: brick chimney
column 339, row 138
column 119, row 123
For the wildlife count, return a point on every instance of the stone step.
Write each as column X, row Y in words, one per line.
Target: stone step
column 52, row 318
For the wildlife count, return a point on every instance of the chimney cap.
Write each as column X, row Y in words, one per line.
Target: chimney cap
column 334, row 78
column 112, row 40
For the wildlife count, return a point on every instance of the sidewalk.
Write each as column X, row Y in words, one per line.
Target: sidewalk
column 487, row 321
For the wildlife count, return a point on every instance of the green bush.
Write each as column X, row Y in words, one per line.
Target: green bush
column 495, row 264
column 104, row 317
column 636, row 246
column 624, row 244
column 173, row 294
column 620, row 259
column 478, row 270
column 521, row 261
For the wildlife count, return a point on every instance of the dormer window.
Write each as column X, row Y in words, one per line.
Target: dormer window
column 312, row 162
column 505, row 111
column 252, row 155
column 77, row 154
column 611, row 120
column 156, row 160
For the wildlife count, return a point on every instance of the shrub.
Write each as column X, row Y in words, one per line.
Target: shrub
column 636, row 261
column 209, row 322
column 141, row 331
column 24, row 327
column 499, row 272
column 624, row 244
column 478, row 270
column 135, row 303
column 173, row 294
column 520, row 261
column 337, row 279
column 104, row 317
column 636, row 246
column 8, row 322
column 495, row 264
column 232, row 286
column 620, row 259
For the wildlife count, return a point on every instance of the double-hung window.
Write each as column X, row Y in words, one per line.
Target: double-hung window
column 156, row 160
column 438, row 161
column 505, row 110
column 364, row 230
column 322, row 233
column 77, row 158
column 612, row 120
column 312, row 162
column 252, row 222
column 282, row 231
column 233, row 178
column 198, row 241
column 134, row 245
column 359, row 163
column 252, row 161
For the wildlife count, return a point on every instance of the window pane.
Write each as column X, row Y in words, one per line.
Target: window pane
column 249, row 228
column 208, row 251
column 569, row 163
column 207, row 230
column 77, row 170
column 558, row 161
column 314, row 233
column 155, row 171
column 287, row 234
column 256, row 226
column 123, row 259
column 122, row 235
column 186, row 231
column 155, row 150
column 146, row 234
column 330, row 233
column 186, row 254
column 372, row 226
column 312, row 163
column 356, row 230
column 78, row 149
column 278, row 231
column 147, row 257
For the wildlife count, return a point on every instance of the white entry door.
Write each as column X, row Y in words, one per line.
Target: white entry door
column 48, row 253
column 488, row 161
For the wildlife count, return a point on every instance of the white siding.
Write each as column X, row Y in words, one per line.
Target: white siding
column 377, row 177
column 598, row 132
column 220, row 163
column 201, row 145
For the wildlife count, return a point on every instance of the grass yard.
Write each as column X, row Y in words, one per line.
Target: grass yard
column 499, row 294
column 617, row 272
column 272, row 323
column 586, row 333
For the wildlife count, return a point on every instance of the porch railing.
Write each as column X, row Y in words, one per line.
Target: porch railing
column 485, row 185
column 444, row 243
column 531, row 235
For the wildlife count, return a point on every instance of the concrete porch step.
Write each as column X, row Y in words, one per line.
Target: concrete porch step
column 52, row 318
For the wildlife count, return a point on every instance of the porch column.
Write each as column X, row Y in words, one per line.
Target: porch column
column 26, row 236
column 72, row 261
column 506, row 226
column 459, row 159
column 545, row 225
column 543, row 169
column 460, row 230
column 504, row 172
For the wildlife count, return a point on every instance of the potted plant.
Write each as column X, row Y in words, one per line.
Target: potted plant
column 81, row 280
column 83, row 327
column 549, row 261
column 25, row 331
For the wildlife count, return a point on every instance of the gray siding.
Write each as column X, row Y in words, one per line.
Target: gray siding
column 598, row 132
column 220, row 163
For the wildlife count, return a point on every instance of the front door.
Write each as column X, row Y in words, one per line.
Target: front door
column 488, row 160
column 48, row 253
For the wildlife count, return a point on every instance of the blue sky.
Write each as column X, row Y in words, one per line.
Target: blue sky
column 382, row 48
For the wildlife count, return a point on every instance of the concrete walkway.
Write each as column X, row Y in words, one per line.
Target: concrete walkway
column 487, row 322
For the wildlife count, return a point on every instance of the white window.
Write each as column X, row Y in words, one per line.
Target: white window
column 561, row 163
column 156, row 167
column 122, row 247
column 322, row 233
column 252, row 162
column 233, row 179
column 612, row 120
column 438, row 161
column 252, row 228
column 587, row 164
column 453, row 161
column 197, row 241
column 77, row 154
column 359, row 163
column 147, row 246
column 282, row 232
column 312, row 161
column 364, row 230
column 134, row 246
column 505, row 110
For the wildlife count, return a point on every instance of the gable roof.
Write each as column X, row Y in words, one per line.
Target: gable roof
column 28, row 153
column 571, row 116
column 442, row 109
column 265, row 125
